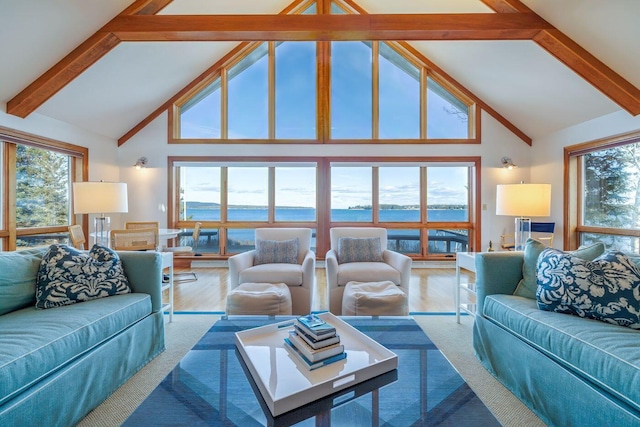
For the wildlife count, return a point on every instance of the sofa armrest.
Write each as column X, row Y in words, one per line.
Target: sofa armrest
column 331, row 264
column 144, row 272
column 497, row 273
column 402, row 263
column 237, row 263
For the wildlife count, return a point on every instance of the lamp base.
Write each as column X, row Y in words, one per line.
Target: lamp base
column 523, row 232
column 102, row 226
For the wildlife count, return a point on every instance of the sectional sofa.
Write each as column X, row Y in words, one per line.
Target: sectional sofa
column 58, row 364
column 569, row 370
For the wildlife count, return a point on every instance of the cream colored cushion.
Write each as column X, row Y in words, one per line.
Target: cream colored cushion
column 259, row 298
column 374, row 299
column 291, row 274
column 367, row 272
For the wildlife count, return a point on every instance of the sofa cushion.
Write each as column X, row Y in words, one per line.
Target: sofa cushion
column 528, row 285
column 364, row 249
column 607, row 288
column 67, row 276
column 276, row 252
column 367, row 272
column 35, row 343
column 290, row 274
column 18, row 281
column 603, row 354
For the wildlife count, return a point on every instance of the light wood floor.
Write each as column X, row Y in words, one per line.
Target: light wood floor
column 431, row 290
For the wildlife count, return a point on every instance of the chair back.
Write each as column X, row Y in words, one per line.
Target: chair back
column 131, row 225
column 357, row 232
column 543, row 227
column 76, row 235
column 138, row 239
column 302, row 234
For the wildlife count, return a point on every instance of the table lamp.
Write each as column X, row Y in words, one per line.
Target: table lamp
column 100, row 198
column 523, row 201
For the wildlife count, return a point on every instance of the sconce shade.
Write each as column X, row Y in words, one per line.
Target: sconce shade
column 523, row 200
column 100, row 197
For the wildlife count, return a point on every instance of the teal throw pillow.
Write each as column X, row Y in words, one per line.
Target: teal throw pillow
column 606, row 289
column 67, row 276
column 276, row 252
column 363, row 249
column 528, row 286
column 18, row 272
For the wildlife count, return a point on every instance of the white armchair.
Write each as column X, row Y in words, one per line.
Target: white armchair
column 396, row 266
column 298, row 277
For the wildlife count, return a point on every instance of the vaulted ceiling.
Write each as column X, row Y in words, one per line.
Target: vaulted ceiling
column 540, row 65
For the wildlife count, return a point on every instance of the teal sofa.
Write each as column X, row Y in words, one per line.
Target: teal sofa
column 570, row 371
column 57, row 364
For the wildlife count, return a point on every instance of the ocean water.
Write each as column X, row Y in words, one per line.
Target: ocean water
column 337, row 215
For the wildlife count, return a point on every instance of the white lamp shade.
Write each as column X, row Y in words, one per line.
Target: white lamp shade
column 523, row 200
column 100, row 197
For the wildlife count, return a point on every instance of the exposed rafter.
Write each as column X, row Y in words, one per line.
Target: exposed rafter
column 578, row 59
column 479, row 26
column 75, row 63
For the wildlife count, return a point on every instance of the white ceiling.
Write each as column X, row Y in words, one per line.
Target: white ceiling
column 520, row 80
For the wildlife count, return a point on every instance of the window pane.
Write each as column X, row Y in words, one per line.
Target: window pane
column 447, row 116
column 248, row 193
column 296, row 90
column 241, row 240
column 42, row 193
column 399, row 194
column 200, row 116
column 611, row 179
column 404, row 241
column 447, row 194
column 351, row 194
column 295, row 193
column 351, row 90
column 626, row 244
column 200, row 194
column 41, row 240
column 399, row 91
column 249, row 96
column 448, row 241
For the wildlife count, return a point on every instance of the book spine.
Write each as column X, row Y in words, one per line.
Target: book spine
column 327, row 333
column 311, row 354
column 317, row 344
column 310, row 365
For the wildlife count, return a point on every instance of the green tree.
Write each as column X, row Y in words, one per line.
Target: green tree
column 42, row 196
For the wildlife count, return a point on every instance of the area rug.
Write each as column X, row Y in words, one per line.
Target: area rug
column 210, row 387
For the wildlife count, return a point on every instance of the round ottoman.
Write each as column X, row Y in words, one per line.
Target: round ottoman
column 374, row 299
column 259, row 298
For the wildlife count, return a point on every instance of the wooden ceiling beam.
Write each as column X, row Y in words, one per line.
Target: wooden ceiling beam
column 480, row 26
column 578, row 59
column 74, row 64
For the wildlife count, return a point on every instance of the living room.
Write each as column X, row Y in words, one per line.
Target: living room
column 529, row 100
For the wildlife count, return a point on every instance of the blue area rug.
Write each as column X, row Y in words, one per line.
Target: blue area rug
column 211, row 386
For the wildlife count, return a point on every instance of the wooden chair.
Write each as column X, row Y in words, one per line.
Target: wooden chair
column 542, row 231
column 131, row 225
column 187, row 276
column 76, row 235
column 139, row 239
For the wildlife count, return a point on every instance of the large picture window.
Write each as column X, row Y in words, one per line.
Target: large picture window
column 605, row 193
column 425, row 204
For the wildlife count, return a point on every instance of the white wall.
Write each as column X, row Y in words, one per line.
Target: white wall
column 148, row 187
column 547, row 156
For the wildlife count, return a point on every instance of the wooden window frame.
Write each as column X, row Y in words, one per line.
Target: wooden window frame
column 573, row 189
column 9, row 232
column 323, row 199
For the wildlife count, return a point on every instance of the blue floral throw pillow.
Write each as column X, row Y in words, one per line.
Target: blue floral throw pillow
column 67, row 275
column 607, row 288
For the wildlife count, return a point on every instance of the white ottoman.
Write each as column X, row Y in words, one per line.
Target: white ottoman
column 259, row 298
column 374, row 299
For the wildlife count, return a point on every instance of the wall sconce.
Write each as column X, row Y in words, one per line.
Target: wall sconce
column 507, row 163
column 141, row 163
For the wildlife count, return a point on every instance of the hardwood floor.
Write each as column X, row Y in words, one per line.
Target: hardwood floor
column 431, row 290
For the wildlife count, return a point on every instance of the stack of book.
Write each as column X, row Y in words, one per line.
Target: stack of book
column 314, row 342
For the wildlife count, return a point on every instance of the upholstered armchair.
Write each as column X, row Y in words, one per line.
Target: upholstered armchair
column 394, row 266
column 297, row 273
